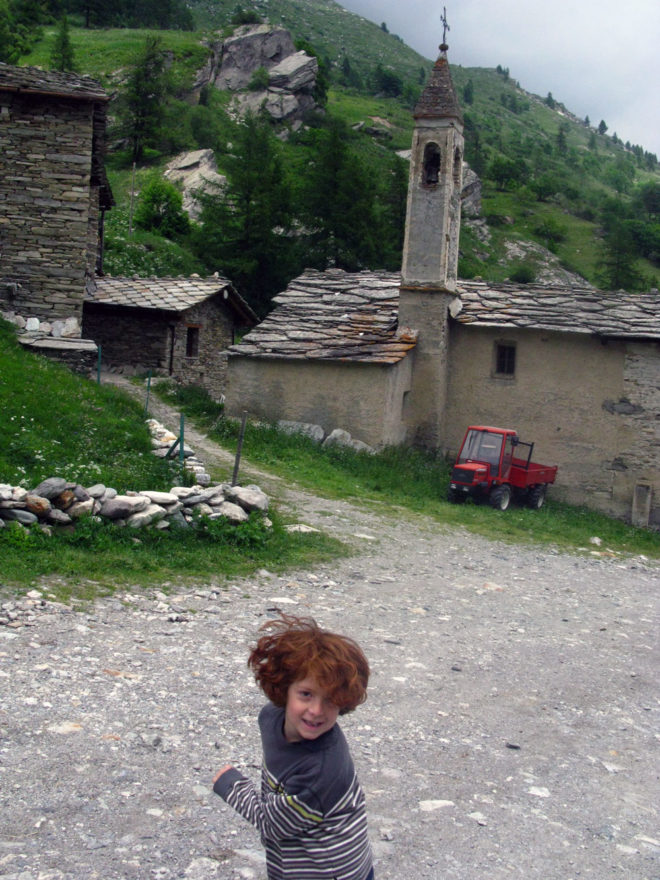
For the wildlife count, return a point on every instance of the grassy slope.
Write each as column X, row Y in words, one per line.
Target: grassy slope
column 59, row 424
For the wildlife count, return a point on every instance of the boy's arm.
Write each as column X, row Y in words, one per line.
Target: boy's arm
column 275, row 815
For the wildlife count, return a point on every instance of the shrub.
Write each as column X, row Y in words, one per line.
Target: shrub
column 160, row 209
column 259, row 81
column 523, row 273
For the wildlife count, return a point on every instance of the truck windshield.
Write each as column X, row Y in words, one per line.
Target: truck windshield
column 481, row 446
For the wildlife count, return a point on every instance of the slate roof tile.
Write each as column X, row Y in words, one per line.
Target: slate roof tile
column 165, row 294
column 341, row 316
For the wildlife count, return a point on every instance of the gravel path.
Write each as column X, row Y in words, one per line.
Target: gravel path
column 511, row 728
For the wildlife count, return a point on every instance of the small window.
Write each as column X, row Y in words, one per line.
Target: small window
column 192, row 342
column 458, row 166
column 505, row 359
column 431, row 170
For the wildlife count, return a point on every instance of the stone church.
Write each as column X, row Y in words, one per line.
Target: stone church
column 414, row 358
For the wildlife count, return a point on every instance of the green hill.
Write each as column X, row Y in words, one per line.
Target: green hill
column 554, row 190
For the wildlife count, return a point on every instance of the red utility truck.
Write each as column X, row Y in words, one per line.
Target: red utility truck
column 491, row 464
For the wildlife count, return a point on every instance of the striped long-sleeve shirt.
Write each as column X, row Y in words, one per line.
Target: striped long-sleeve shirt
column 310, row 812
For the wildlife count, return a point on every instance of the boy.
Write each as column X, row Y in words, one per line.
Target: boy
column 310, row 811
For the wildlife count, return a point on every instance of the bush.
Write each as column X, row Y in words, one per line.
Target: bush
column 259, row 81
column 160, row 209
column 523, row 273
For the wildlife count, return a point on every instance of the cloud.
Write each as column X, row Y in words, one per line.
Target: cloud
column 597, row 57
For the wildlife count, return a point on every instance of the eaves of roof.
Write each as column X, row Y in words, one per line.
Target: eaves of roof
column 166, row 294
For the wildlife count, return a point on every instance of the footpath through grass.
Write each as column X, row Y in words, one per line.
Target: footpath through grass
column 400, row 480
column 56, row 424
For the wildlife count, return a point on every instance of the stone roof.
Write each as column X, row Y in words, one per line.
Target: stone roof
column 567, row 309
column 34, row 81
column 438, row 100
column 333, row 315
column 165, row 294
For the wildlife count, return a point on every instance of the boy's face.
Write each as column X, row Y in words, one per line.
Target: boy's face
column 308, row 713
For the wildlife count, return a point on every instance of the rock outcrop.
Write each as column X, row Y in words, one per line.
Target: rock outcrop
column 291, row 75
column 195, row 172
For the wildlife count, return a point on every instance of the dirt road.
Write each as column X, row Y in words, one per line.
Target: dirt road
column 511, row 728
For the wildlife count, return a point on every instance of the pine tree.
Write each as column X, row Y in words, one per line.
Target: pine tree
column 245, row 228
column 141, row 105
column 61, row 56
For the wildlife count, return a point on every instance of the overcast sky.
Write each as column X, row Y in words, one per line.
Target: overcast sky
column 601, row 58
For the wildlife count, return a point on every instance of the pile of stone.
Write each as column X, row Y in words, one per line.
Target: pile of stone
column 68, row 328
column 56, row 502
column 162, row 441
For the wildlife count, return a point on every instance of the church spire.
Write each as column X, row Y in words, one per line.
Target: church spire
column 438, row 100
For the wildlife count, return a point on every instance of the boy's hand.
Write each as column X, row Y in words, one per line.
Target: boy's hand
column 220, row 772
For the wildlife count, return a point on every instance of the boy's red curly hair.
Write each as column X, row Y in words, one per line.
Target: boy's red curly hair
column 294, row 648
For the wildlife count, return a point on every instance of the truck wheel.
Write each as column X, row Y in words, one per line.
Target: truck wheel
column 500, row 497
column 455, row 497
column 536, row 497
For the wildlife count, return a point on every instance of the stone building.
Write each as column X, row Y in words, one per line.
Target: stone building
column 414, row 358
column 176, row 327
column 53, row 190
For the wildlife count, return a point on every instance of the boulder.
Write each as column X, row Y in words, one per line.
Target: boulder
column 64, row 499
column 50, row 488
column 58, row 517
column 315, row 432
column 151, row 514
column 295, row 73
column 22, row 516
column 162, row 498
column 37, row 504
column 232, row 512
column 251, row 47
column 248, row 497
column 80, row 508
column 195, row 172
column 123, row 506
column 339, row 437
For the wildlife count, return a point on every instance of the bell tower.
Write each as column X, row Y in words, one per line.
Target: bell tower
column 430, row 252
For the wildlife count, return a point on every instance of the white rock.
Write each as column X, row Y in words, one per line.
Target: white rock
column 431, row 806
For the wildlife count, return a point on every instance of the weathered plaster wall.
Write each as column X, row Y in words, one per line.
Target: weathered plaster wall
column 354, row 397
column 585, row 426
column 430, row 253
column 423, row 413
column 45, row 219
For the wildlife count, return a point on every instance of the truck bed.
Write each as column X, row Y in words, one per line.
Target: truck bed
column 523, row 475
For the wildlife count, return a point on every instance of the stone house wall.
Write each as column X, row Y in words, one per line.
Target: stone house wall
column 158, row 340
column 600, row 430
column 216, row 331
column 49, row 211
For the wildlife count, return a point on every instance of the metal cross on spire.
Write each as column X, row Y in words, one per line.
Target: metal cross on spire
column 445, row 28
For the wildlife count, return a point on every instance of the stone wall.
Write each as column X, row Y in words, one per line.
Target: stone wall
column 135, row 337
column 639, row 412
column 45, row 217
column 148, row 339
column 209, row 367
